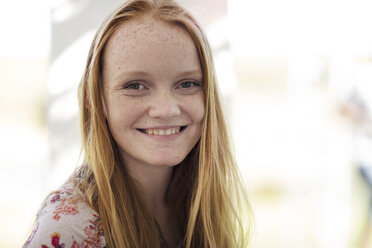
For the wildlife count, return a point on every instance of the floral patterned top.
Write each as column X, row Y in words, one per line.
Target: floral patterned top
column 66, row 221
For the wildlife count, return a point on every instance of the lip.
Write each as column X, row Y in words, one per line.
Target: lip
column 169, row 137
column 161, row 127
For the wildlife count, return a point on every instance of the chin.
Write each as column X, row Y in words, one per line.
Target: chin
column 166, row 163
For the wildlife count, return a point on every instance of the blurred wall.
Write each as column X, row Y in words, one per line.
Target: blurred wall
column 284, row 67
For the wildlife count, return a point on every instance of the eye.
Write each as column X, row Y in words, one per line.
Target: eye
column 188, row 84
column 134, row 86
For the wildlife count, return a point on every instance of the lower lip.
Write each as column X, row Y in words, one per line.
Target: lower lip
column 164, row 138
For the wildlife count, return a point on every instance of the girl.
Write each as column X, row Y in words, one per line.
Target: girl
column 158, row 168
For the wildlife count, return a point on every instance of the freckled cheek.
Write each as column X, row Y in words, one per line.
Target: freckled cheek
column 125, row 113
column 197, row 109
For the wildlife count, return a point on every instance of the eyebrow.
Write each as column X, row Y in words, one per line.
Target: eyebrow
column 191, row 72
column 144, row 73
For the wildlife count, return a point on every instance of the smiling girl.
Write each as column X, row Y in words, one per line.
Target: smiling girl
column 158, row 168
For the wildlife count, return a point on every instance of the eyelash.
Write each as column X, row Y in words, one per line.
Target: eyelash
column 137, row 86
column 128, row 86
column 195, row 84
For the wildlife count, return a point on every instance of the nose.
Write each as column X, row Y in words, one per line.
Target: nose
column 164, row 106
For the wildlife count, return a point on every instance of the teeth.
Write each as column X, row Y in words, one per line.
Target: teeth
column 163, row 132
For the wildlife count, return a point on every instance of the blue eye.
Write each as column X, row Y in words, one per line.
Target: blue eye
column 188, row 84
column 134, row 86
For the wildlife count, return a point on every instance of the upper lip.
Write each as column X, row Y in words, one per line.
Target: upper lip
column 161, row 127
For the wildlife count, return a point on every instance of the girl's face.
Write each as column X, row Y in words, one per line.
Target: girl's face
column 153, row 94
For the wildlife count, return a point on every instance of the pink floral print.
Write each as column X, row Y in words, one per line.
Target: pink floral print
column 66, row 221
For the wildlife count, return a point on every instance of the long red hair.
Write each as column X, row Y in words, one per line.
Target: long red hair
column 205, row 191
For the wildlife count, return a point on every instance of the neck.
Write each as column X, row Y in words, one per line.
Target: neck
column 152, row 183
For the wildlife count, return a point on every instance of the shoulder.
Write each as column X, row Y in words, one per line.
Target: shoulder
column 66, row 220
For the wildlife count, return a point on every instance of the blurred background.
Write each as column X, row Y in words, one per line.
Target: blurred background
column 296, row 76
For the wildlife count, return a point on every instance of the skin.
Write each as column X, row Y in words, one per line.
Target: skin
column 153, row 81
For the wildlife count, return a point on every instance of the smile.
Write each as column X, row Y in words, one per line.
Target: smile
column 163, row 132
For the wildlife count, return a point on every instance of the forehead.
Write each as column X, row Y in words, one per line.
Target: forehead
column 160, row 31
column 149, row 44
column 148, row 34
